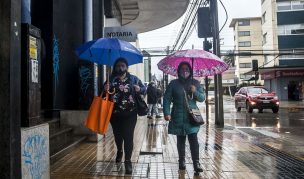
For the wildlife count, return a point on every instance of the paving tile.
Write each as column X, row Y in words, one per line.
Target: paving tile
column 224, row 153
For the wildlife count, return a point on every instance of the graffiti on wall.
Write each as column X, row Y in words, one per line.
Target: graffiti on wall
column 55, row 61
column 85, row 76
column 35, row 155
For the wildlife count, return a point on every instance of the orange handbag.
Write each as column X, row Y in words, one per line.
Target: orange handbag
column 100, row 114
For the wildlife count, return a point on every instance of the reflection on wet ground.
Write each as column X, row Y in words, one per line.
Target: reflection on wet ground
column 246, row 148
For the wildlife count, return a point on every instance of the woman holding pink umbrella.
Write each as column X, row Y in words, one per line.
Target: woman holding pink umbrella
column 178, row 117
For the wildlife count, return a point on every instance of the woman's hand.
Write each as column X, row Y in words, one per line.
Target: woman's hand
column 137, row 88
column 107, row 87
column 192, row 88
column 168, row 118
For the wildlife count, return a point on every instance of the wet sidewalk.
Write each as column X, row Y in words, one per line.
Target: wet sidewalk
column 224, row 153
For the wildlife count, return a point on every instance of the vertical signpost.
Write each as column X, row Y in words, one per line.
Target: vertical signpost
column 208, row 27
column 219, row 117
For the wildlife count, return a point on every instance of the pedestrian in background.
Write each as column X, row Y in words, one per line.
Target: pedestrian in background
column 152, row 96
column 178, row 116
column 159, row 97
column 124, row 115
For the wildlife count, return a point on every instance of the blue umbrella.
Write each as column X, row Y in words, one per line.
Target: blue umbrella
column 105, row 51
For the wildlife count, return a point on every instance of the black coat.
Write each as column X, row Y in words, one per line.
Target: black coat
column 152, row 95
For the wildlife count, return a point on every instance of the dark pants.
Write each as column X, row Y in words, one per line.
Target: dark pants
column 194, row 147
column 123, row 128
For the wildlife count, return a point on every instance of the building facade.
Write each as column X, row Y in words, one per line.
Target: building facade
column 283, row 46
column 248, row 43
column 66, row 83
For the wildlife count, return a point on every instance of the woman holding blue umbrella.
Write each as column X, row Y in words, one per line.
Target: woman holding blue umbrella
column 122, row 85
column 124, row 115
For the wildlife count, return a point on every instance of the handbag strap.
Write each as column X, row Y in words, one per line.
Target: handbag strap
column 186, row 99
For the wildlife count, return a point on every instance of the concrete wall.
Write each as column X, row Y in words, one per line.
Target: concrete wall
column 35, row 152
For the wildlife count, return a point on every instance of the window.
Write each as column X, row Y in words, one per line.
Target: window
column 264, row 18
column 245, row 65
column 244, row 33
column 292, row 54
column 245, row 44
column 265, row 38
column 290, row 5
column 293, row 29
column 245, row 22
column 284, row 6
column 257, row 90
column 297, row 5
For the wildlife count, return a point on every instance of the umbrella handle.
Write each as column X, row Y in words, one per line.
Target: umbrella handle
column 108, row 82
column 111, row 92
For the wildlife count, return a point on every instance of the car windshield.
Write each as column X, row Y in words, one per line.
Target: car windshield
column 257, row 90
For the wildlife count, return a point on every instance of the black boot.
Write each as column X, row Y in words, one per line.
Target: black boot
column 197, row 167
column 182, row 164
column 119, row 156
column 128, row 167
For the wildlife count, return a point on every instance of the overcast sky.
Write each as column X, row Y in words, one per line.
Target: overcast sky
column 166, row 36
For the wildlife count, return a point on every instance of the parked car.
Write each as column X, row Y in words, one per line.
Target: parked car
column 256, row 97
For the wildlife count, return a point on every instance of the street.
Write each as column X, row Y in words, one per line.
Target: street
column 283, row 131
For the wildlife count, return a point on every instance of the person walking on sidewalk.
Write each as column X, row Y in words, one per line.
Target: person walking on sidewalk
column 152, row 95
column 178, row 118
column 124, row 117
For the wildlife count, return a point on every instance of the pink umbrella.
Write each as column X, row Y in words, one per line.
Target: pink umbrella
column 202, row 62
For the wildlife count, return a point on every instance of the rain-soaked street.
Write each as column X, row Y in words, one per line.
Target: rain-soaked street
column 257, row 145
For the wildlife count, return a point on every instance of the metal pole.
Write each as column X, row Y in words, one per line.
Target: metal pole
column 219, row 113
column 206, row 87
column 206, row 101
column 102, row 67
column 88, row 36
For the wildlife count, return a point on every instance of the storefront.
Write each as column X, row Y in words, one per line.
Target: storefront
column 286, row 83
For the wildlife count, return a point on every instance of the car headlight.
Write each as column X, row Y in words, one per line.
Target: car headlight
column 276, row 98
column 254, row 97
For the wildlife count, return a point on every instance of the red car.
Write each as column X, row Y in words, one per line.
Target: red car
column 256, row 97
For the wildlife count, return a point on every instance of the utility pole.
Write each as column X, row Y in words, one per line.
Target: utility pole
column 219, row 112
